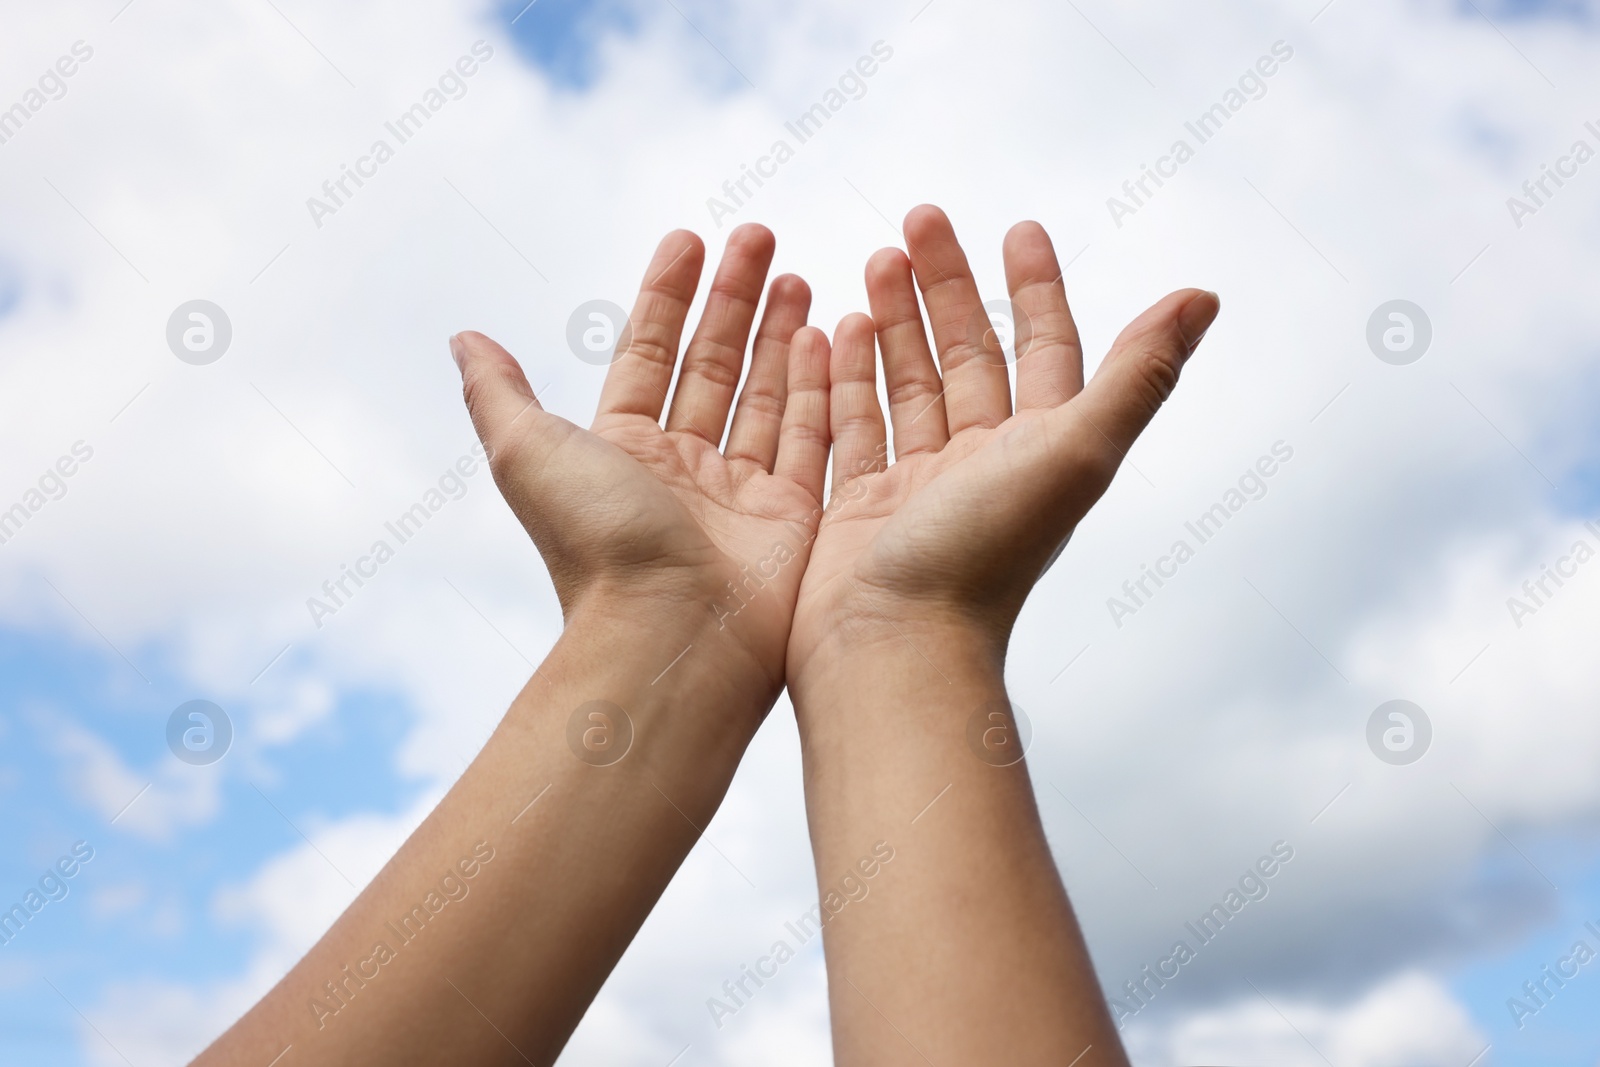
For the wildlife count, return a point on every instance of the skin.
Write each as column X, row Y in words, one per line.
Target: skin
column 694, row 581
column 642, row 528
column 966, row 949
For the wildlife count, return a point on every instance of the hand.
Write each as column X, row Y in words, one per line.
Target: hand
column 979, row 499
column 659, row 520
column 642, row 528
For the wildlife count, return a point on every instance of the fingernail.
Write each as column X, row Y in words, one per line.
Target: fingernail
column 1196, row 318
column 458, row 351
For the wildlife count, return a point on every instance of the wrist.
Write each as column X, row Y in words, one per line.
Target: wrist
column 691, row 693
column 906, row 667
column 887, row 725
column 855, row 628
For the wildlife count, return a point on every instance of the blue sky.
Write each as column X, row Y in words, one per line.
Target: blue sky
column 562, row 37
column 1563, row 1032
column 156, row 920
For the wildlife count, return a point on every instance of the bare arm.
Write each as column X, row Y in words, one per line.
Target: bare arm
column 487, row 935
column 964, row 948
column 485, row 938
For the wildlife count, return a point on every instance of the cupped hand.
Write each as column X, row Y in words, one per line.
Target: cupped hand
column 660, row 523
column 979, row 498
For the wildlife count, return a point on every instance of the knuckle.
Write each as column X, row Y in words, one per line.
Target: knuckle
column 735, row 291
column 912, row 390
column 1154, row 368
column 843, row 424
column 766, row 404
column 805, row 433
column 474, row 389
column 650, row 344
column 718, row 363
column 960, row 353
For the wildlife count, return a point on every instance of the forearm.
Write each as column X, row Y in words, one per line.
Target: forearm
column 965, row 949
column 500, row 966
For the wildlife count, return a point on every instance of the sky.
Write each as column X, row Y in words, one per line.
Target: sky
column 1179, row 736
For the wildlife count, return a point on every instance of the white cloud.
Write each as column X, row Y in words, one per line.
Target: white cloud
column 153, row 806
column 1408, row 1019
column 113, row 901
column 287, row 905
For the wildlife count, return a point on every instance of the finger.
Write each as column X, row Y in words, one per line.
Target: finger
column 715, row 359
column 499, row 399
column 636, row 383
column 977, row 391
column 1049, row 355
column 758, row 419
column 803, row 443
column 855, row 420
column 916, row 393
column 1101, row 424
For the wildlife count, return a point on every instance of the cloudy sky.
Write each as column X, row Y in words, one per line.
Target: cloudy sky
column 1424, row 469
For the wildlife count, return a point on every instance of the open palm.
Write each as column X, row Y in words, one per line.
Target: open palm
column 662, row 512
column 979, row 498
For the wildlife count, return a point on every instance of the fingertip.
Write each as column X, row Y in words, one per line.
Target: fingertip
column 1195, row 317
column 886, row 264
column 935, row 251
column 854, row 326
column 752, row 235
column 809, row 338
column 790, row 288
column 1030, row 256
column 925, row 218
column 471, row 345
column 1029, row 253
column 679, row 239
column 492, row 381
column 678, row 246
column 1025, row 232
column 675, row 268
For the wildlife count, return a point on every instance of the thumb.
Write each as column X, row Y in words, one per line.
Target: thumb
column 497, row 393
column 1139, row 374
